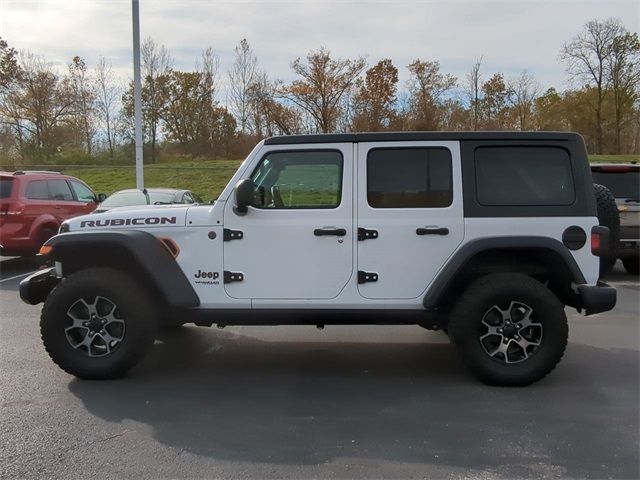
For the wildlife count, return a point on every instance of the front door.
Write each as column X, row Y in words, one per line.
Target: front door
column 409, row 216
column 298, row 242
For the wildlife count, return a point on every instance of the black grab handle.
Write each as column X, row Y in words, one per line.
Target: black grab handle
column 321, row 232
column 433, row 231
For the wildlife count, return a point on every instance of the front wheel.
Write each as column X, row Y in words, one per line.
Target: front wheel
column 509, row 329
column 97, row 324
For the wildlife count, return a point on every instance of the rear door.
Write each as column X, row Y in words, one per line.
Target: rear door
column 64, row 204
column 409, row 216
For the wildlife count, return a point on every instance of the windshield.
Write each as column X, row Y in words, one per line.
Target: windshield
column 5, row 187
column 621, row 184
column 125, row 199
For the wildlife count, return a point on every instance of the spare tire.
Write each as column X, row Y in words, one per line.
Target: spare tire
column 609, row 217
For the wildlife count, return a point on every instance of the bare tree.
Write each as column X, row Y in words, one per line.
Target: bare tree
column 107, row 100
column 323, row 85
column 242, row 74
column 586, row 56
column 156, row 63
column 474, row 79
column 523, row 91
column 623, row 69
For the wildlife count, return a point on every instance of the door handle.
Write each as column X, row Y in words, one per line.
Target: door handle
column 433, row 231
column 321, row 232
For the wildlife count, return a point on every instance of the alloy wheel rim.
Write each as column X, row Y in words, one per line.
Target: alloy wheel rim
column 97, row 328
column 510, row 335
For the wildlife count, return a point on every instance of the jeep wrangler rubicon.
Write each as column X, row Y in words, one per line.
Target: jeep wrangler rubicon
column 484, row 235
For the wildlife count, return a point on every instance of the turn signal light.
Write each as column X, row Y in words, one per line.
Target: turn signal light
column 45, row 250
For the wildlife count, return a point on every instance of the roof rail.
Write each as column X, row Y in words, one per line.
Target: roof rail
column 36, row 172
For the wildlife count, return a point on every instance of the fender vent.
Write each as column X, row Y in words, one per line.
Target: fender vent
column 171, row 245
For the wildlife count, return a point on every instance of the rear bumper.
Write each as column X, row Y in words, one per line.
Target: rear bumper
column 597, row 298
column 36, row 287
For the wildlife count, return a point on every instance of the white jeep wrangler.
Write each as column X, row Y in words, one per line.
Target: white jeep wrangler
column 485, row 235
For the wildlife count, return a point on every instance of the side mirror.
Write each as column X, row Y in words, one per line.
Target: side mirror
column 245, row 195
column 101, row 197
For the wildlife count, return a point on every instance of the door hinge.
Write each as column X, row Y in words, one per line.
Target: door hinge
column 230, row 277
column 364, row 234
column 229, row 235
column 364, row 277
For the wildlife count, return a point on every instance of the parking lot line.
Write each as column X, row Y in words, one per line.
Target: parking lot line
column 17, row 276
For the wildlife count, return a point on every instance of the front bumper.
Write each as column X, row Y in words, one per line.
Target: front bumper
column 36, row 287
column 597, row 298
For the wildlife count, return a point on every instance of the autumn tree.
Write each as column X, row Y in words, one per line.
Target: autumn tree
column 156, row 63
column 242, row 75
column 549, row 111
column 495, row 98
column 322, row 86
column 373, row 103
column 38, row 105
column 427, row 86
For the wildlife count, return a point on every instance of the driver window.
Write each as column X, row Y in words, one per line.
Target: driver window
column 299, row 179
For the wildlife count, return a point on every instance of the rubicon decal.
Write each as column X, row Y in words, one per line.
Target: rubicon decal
column 120, row 222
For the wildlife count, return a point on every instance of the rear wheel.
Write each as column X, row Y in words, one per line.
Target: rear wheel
column 631, row 264
column 609, row 217
column 97, row 323
column 509, row 329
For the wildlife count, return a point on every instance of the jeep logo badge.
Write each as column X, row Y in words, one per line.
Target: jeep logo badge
column 212, row 275
column 207, row 278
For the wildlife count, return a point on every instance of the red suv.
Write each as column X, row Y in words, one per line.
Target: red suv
column 34, row 204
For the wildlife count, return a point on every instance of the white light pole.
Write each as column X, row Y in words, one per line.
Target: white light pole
column 137, row 94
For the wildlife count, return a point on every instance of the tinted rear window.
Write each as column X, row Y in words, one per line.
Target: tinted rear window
column 621, row 184
column 409, row 178
column 524, row 176
column 5, row 187
column 37, row 190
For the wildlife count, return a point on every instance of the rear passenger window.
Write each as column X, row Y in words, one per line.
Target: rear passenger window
column 59, row 190
column 37, row 190
column 524, row 176
column 409, row 178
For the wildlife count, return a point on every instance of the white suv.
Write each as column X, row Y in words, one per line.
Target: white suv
column 485, row 235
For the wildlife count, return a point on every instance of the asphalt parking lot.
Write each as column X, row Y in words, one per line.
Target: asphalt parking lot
column 295, row 402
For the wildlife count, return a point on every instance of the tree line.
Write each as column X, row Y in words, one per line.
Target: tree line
column 85, row 114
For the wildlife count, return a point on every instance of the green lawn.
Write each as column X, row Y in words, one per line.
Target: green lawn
column 614, row 158
column 206, row 178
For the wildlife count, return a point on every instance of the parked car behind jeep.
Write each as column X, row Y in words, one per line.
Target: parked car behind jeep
column 149, row 196
column 623, row 180
column 33, row 204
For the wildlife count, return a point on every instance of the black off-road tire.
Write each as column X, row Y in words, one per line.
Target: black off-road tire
column 466, row 328
column 609, row 217
column 631, row 265
column 134, row 306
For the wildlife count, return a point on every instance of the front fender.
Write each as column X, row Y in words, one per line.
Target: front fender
column 134, row 251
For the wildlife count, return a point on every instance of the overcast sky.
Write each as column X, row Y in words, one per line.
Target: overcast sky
column 510, row 35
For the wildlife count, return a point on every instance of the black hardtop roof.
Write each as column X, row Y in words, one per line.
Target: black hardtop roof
column 418, row 136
